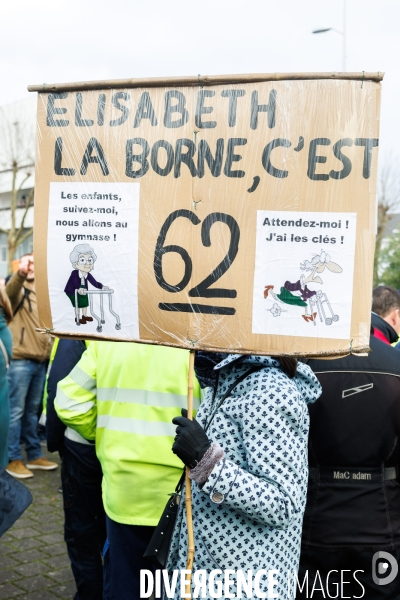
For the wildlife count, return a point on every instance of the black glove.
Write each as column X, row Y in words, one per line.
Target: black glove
column 191, row 442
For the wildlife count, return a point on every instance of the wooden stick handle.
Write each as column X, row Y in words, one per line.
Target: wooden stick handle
column 188, row 487
column 198, row 80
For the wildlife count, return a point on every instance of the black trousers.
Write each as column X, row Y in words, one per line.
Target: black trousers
column 344, row 581
column 85, row 525
column 124, row 559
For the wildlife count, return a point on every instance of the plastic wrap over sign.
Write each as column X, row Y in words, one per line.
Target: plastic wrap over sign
column 237, row 217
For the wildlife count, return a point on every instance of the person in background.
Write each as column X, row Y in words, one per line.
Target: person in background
column 5, row 358
column 353, row 500
column 124, row 395
column 81, row 476
column 27, row 373
column 386, row 314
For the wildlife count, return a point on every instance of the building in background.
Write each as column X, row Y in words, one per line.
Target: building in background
column 17, row 159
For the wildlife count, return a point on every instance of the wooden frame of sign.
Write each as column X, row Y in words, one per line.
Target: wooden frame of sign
column 227, row 213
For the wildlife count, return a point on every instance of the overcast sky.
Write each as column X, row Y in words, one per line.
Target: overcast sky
column 70, row 40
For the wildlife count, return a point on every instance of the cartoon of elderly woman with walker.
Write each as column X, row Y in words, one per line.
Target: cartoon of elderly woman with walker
column 82, row 258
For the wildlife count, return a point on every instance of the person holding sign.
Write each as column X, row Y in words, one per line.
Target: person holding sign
column 82, row 259
column 247, row 454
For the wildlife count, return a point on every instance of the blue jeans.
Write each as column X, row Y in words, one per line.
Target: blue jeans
column 26, row 384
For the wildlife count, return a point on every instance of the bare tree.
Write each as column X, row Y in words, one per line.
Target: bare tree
column 17, row 160
column 388, row 204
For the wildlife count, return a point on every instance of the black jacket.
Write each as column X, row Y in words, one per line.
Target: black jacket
column 353, row 499
column 67, row 356
column 387, row 330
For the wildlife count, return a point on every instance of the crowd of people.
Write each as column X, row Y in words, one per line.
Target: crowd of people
column 294, row 463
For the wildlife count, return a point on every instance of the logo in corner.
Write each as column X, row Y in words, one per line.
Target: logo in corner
column 380, row 566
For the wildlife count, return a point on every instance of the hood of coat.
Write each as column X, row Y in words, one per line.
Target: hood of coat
column 305, row 380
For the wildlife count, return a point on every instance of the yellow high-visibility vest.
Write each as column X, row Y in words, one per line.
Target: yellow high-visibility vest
column 124, row 396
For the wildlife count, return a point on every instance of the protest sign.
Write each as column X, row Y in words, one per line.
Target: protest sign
column 235, row 213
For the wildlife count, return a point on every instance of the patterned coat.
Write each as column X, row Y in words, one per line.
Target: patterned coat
column 249, row 513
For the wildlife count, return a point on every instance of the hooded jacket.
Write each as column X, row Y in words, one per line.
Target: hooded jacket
column 249, row 513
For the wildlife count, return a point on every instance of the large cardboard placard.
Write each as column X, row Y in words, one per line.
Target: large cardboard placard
column 237, row 216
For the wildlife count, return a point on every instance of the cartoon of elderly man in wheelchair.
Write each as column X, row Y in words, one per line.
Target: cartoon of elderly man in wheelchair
column 77, row 289
column 298, row 294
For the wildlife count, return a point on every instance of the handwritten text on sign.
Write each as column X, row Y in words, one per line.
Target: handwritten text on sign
column 164, row 157
column 204, row 164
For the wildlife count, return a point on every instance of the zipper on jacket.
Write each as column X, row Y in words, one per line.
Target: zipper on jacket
column 21, row 339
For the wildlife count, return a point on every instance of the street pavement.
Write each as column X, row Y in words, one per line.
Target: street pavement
column 33, row 557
